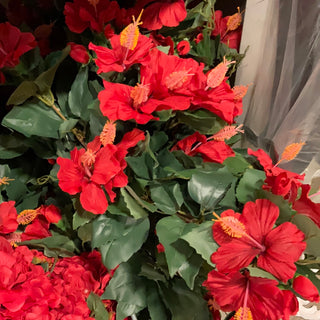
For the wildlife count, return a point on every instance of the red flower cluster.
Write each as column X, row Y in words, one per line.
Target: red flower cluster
column 13, row 44
column 27, row 292
column 98, row 165
column 242, row 238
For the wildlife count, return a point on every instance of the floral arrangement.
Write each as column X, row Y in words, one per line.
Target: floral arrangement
column 123, row 194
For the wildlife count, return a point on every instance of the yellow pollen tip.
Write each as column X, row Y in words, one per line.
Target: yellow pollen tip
column 231, row 226
column 27, row 216
column 5, row 180
column 243, row 314
column 108, row 133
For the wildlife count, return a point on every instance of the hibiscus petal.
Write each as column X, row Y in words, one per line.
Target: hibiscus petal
column 93, row 199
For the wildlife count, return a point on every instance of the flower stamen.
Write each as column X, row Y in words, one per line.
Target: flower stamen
column 231, row 226
column 139, row 94
column 27, row 216
column 176, row 79
column 108, row 133
column 5, row 180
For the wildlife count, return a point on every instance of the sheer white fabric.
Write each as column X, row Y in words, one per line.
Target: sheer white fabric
column 283, row 104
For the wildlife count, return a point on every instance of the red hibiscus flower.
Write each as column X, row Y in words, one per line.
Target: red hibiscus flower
column 13, row 44
column 306, row 289
column 210, row 151
column 160, row 40
column 8, row 217
column 93, row 14
column 252, row 296
column 115, row 59
column 230, row 37
column 243, row 237
column 183, row 47
column 278, row 181
column 88, row 170
column 79, row 53
column 157, row 14
column 304, row 205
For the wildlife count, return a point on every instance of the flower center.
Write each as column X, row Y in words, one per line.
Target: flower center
column 243, row 314
column 231, row 226
column 108, row 133
column 27, row 216
column 139, row 94
column 88, row 158
column 176, row 79
column 94, row 2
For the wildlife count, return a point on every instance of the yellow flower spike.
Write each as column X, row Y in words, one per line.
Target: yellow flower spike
column 130, row 34
column 108, row 133
column 234, row 21
column 27, row 216
column 231, row 226
column 243, row 314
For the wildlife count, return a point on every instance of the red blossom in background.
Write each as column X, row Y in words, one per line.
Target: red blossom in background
column 8, row 217
column 13, row 44
column 210, row 151
column 252, row 234
column 279, row 181
column 183, row 47
column 157, row 14
column 79, row 53
column 306, row 289
column 83, row 14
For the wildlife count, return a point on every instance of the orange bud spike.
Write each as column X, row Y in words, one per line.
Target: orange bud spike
column 27, row 216
column 176, row 79
column 243, row 314
column 291, row 151
column 227, row 132
column 234, row 21
column 217, row 74
column 231, row 226
column 108, row 133
column 5, row 180
column 240, row 91
column 130, row 34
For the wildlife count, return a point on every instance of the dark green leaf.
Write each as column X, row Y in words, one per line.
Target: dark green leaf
column 97, row 307
column 80, row 96
column 33, row 119
column 67, row 126
column 23, row 92
column 249, row 184
column 118, row 237
column 208, row 188
column 134, row 207
column 12, row 146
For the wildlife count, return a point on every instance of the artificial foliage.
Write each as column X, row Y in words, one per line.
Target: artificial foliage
column 123, row 194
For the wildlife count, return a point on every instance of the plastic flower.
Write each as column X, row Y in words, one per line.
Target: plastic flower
column 183, row 47
column 279, row 181
column 93, row 14
column 251, row 297
column 244, row 236
column 88, row 170
column 8, row 217
column 306, row 289
column 13, row 44
column 79, row 53
column 157, row 14
column 210, row 151
column 115, row 59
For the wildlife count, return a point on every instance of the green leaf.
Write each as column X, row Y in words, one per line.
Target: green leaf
column 249, row 184
column 184, row 303
column 128, row 289
column 237, row 165
column 135, row 209
column 12, row 146
column 208, row 188
column 80, row 96
column 257, row 272
column 97, row 307
column 23, row 92
column 180, row 256
column 142, row 165
column 118, row 238
column 200, row 238
column 164, row 197
column 33, row 119
column 67, row 126
column 156, row 307
column 85, row 232
column 81, row 218
column 201, row 120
